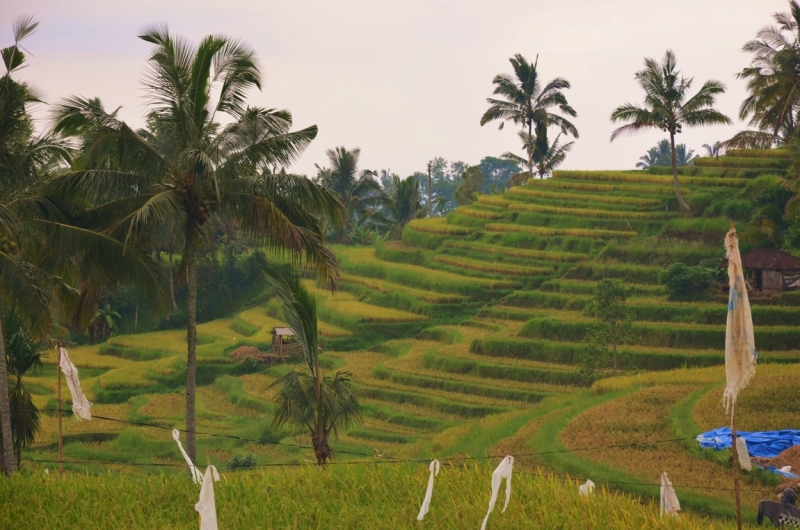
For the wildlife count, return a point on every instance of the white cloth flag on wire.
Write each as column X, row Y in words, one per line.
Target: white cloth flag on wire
column 740, row 345
column 426, row 504
column 669, row 501
column 744, row 455
column 503, row 471
column 206, row 506
column 197, row 477
column 81, row 406
column 586, row 488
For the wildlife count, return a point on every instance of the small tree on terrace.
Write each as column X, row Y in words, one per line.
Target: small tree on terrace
column 668, row 107
column 308, row 399
column 612, row 327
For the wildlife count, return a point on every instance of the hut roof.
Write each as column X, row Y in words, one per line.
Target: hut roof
column 283, row 332
column 770, row 259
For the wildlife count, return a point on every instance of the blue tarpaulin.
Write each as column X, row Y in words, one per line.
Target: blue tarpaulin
column 766, row 444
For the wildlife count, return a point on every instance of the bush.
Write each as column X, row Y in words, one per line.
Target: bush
column 242, row 463
column 689, row 283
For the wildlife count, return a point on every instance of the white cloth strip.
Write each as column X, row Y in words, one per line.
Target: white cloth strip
column 669, row 501
column 197, row 477
column 503, row 471
column 81, row 406
column 206, row 506
column 426, row 504
column 587, row 488
column 740, row 344
column 744, row 455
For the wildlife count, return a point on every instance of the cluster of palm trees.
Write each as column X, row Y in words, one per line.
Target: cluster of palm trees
column 372, row 207
column 661, row 155
column 88, row 205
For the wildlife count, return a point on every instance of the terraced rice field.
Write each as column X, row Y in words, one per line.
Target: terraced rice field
column 464, row 339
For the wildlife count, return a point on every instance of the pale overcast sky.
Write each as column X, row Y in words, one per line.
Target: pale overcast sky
column 407, row 80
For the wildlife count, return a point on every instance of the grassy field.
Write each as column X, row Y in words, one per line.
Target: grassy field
column 464, row 340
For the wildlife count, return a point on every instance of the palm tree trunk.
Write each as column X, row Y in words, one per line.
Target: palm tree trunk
column 530, row 153
column 685, row 207
column 172, row 282
column 5, row 408
column 191, row 340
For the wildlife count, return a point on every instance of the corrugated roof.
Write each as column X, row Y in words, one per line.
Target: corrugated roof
column 282, row 331
column 770, row 259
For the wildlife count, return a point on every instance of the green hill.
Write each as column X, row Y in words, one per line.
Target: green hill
column 465, row 339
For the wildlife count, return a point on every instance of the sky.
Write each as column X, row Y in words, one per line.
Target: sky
column 407, row 80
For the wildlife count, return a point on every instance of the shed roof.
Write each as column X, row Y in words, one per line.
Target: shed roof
column 770, row 259
column 283, row 332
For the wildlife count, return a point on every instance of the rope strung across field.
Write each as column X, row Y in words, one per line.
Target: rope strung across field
column 379, row 462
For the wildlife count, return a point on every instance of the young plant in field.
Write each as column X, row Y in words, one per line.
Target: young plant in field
column 612, row 326
column 22, row 354
column 308, row 399
column 668, row 107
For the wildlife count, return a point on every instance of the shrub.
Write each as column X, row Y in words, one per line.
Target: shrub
column 242, row 463
column 688, row 283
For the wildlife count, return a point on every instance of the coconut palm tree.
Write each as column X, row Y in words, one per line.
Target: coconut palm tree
column 527, row 103
column 773, row 83
column 547, row 156
column 358, row 190
column 714, row 149
column 668, row 107
column 137, row 188
column 402, row 203
column 309, row 399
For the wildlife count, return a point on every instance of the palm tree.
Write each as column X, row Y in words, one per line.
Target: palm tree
column 402, row 203
column 308, row 399
column 714, row 149
column 773, row 83
column 137, row 188
column 23, row 354
column 527, row 103
column 104, row 322
column 667, row 107
column 358, row 191
column 683, row 155
column 547, row 156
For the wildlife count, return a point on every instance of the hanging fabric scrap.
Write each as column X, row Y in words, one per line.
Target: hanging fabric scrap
column 740, row 345
column 206, row 506
column 503, row 471
column 426, row 504
column 587, row 488
column 81, row 406
column 197, row 477
column 669, row 501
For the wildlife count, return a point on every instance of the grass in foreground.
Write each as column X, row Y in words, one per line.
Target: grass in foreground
column 365, row 496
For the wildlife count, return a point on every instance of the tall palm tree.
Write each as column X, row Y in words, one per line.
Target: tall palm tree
column 358, row 190
column 402, row 203
column 308, row 399
column 137, row 188
column 547, row 156
column 527, row 103
column 773, row 83
column 668, row 107
column 714, row 150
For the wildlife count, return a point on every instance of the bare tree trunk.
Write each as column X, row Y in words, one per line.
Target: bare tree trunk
column 685, row 207
column 172, row 282
column 530, row 152
column 430, row 192
column 5, row 408
column 191, row 340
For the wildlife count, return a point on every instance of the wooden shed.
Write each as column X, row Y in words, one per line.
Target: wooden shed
column 284, row 342
column 771, row 270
